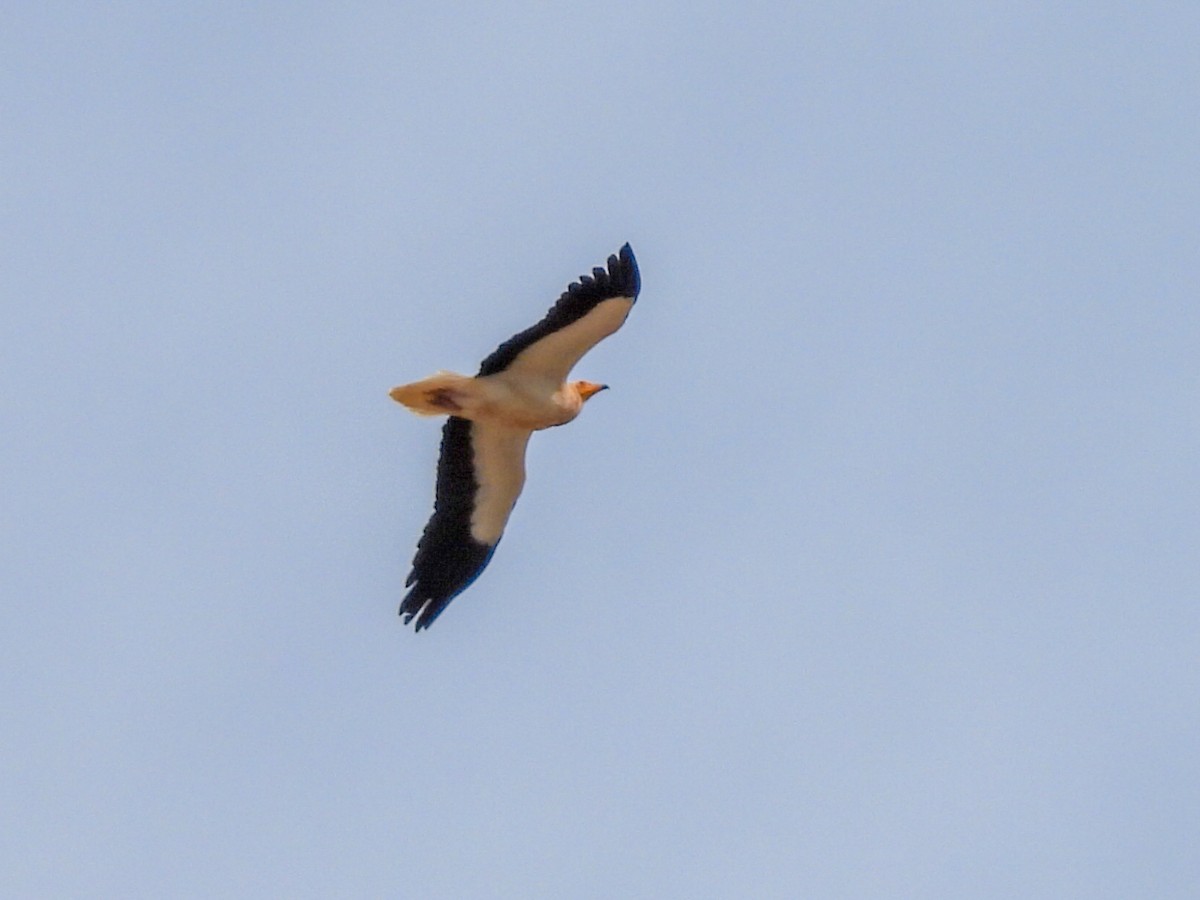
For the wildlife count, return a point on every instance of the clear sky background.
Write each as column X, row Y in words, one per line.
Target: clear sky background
column 875, row 575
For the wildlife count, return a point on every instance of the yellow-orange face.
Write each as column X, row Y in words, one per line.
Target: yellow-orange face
column 587, row 388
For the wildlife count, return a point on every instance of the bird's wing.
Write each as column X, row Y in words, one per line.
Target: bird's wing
column 590, row 310
column 480, row 475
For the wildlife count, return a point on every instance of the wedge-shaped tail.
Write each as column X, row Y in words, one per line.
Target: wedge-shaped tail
column 437, row 395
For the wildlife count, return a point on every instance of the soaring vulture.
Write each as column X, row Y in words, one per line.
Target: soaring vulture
column 521, row 388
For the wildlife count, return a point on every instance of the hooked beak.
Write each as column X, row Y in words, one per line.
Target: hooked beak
column 587, row 389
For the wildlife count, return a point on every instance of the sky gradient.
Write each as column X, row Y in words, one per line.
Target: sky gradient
column 874, row 575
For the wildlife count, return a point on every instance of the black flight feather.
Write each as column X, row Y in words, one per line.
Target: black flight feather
column 448, row 559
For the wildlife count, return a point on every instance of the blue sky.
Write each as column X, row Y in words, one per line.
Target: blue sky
column 875, row 574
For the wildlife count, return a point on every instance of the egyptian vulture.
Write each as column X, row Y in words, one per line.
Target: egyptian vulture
column 521, row 388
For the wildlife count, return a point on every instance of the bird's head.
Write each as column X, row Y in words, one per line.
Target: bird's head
column 587, row 388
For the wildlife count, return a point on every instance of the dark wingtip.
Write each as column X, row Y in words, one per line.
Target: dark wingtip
column 628, row 269
column 444, row 580
column 425, row 614
column 411, row 606
column 419, row 608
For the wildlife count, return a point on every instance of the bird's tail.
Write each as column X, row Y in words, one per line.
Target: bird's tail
column 443, row 393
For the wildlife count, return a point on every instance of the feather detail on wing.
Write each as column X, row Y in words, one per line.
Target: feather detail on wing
column 588, row 311
column 480, row 474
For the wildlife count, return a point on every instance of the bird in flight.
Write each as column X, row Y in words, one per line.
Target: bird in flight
column 521, row 388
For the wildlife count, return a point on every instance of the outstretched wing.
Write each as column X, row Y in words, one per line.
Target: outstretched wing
column 590, row 310
column 480, row 475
